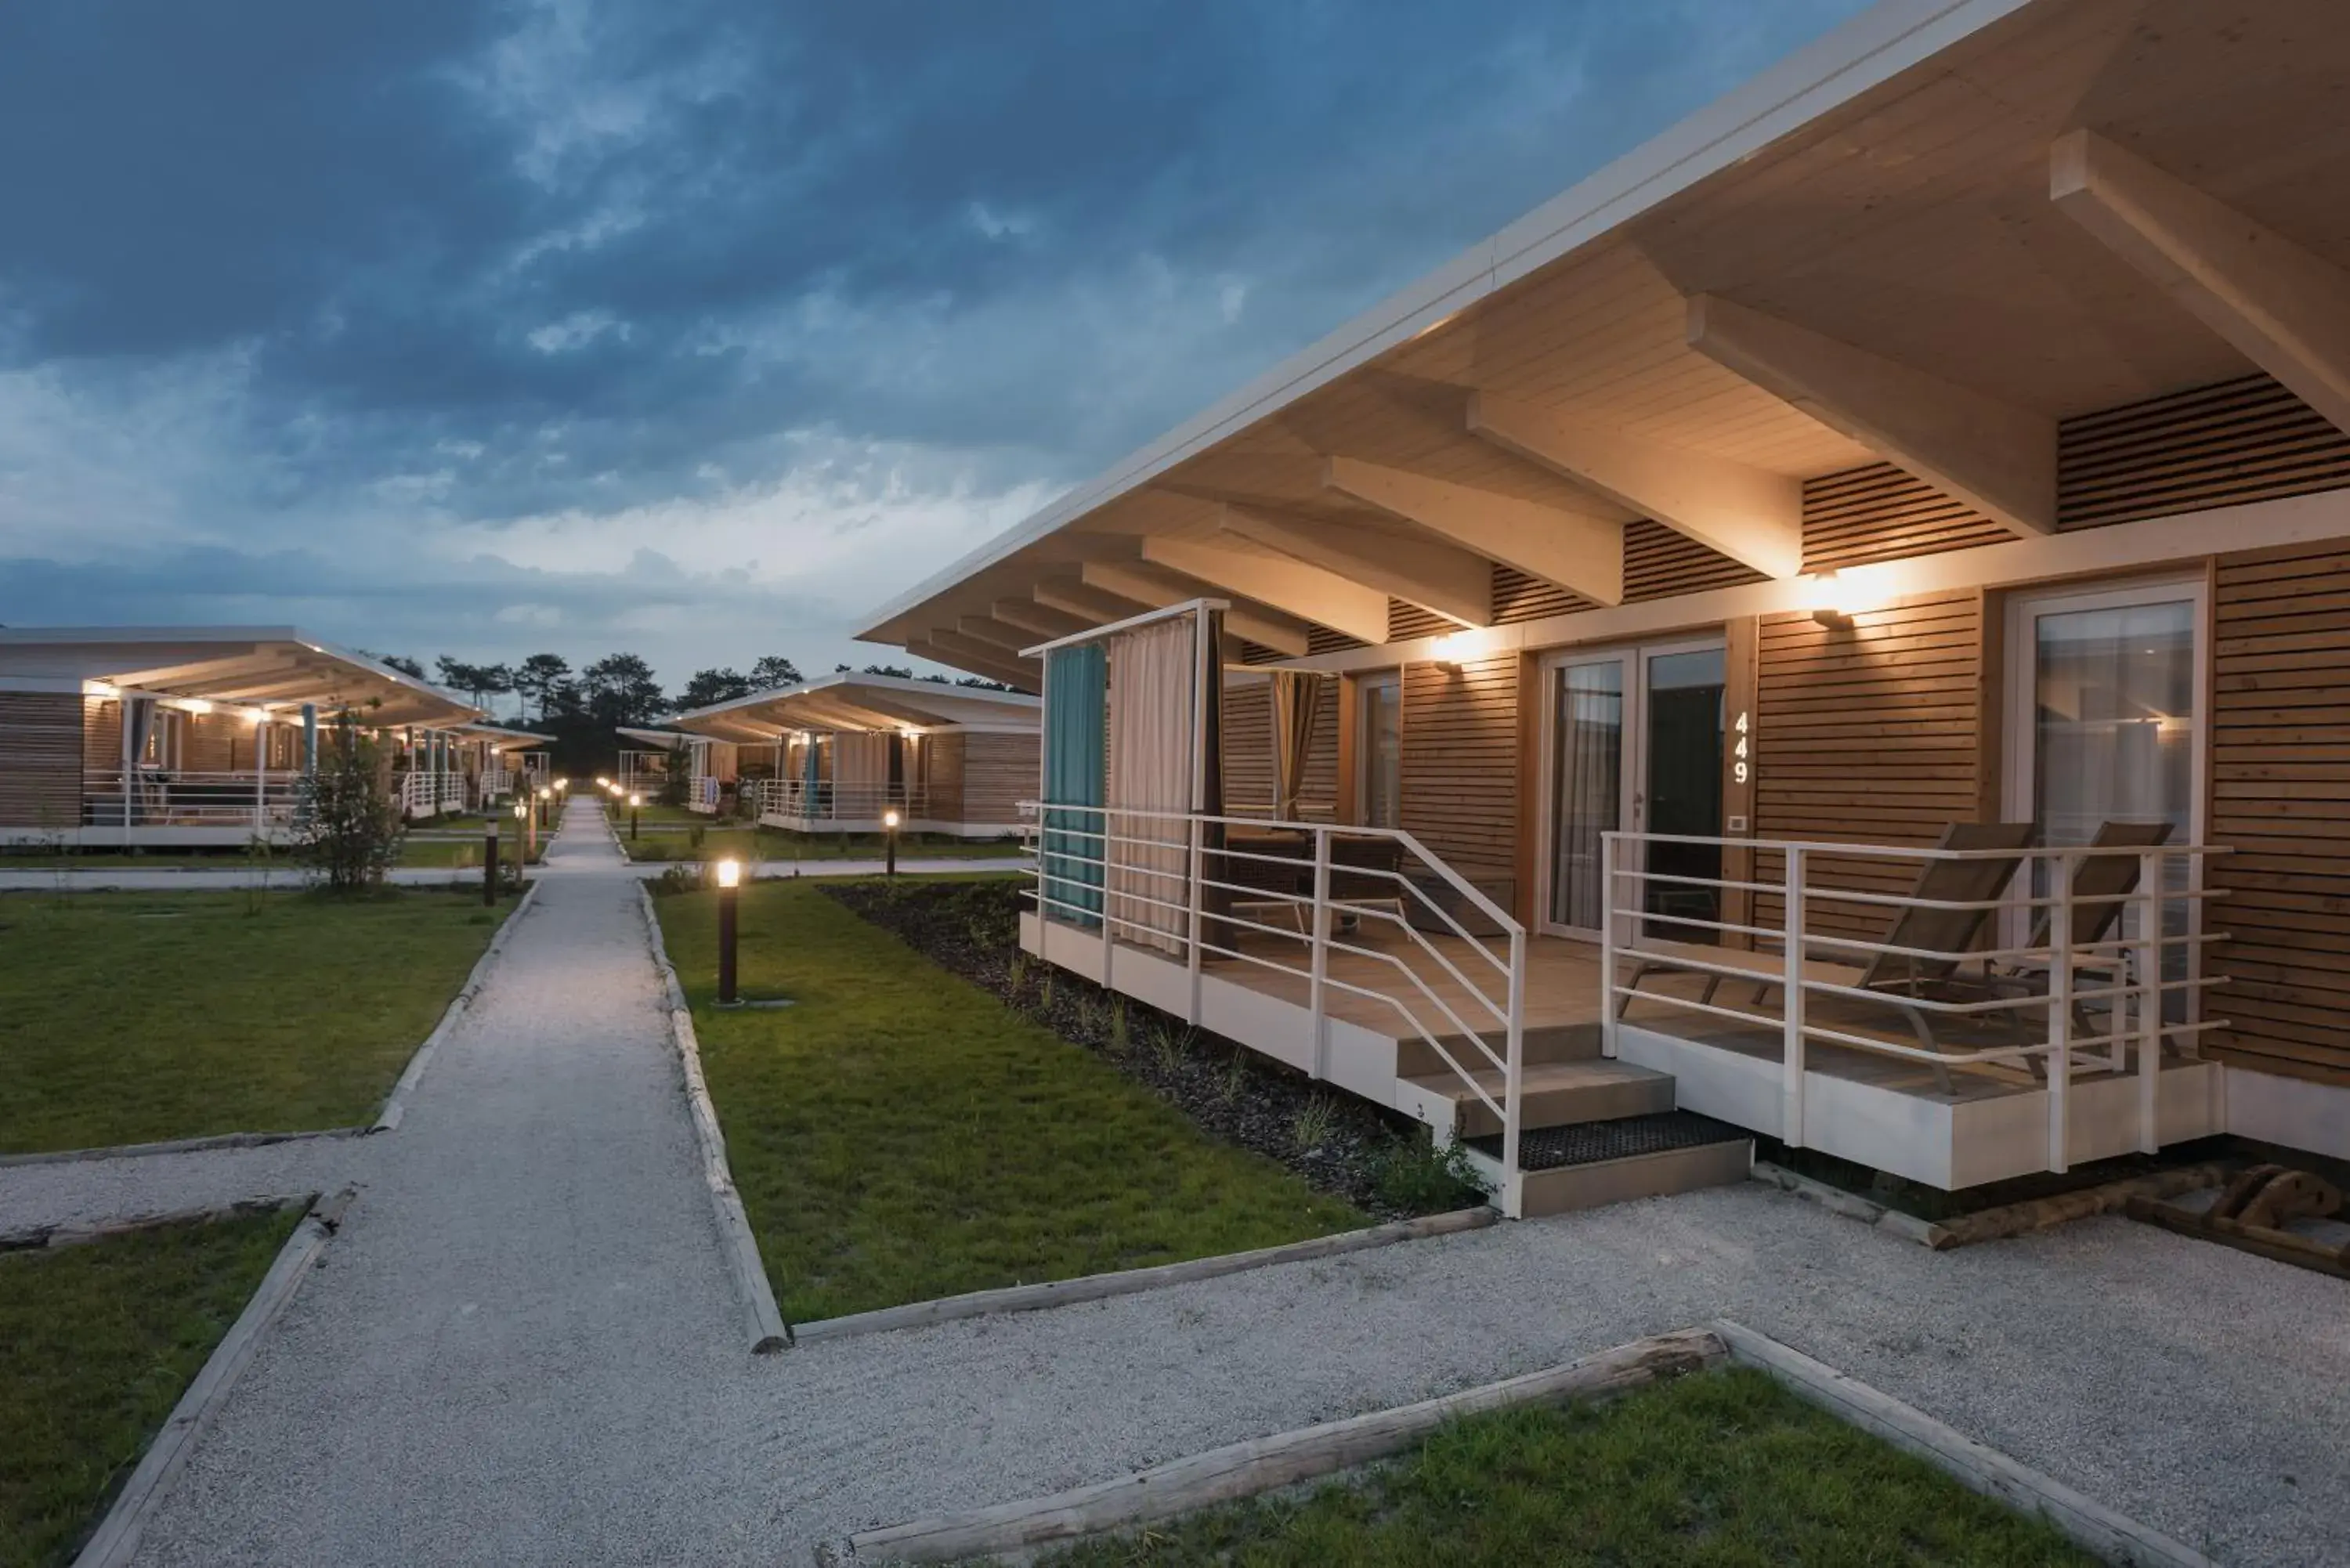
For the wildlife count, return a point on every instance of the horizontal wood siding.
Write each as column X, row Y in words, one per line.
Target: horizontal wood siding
column 942, row 775
column 40, row 759
column 1883, row 514
column 1405, row 621
column 1460, row 763
column 101, row 734
column 999, row 772
column 2280, row 798
column 1659, row 563
column 1517, row 596
column 2240, row 440
column 1871, row 734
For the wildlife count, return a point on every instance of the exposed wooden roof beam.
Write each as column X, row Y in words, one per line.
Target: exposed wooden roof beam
column 1749, row 514
column 1042, row 620
column 1094, row 606
column 1582, row 554
column 1406, row 565
column 1011, row 638
column 976, row 658
column 1999, row 459
column 1293, row 587
column 2282, row 307
column 1153, row 588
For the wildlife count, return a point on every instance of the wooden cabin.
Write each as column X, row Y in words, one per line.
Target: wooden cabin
column 1835, row 627
column 194, row 736
column 841, row 753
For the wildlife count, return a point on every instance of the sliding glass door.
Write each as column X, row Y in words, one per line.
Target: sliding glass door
column 1634, row 743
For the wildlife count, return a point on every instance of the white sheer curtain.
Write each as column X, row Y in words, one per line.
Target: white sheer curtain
column 2114, row 718
column 1587, row 770
column 1150, row 699
column 860, row 774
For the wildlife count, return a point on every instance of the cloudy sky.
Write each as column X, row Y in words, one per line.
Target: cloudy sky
column 696, row 328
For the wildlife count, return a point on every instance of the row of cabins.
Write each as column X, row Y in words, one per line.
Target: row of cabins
column 843, row 752
column 1839, row 623
column 188, row 737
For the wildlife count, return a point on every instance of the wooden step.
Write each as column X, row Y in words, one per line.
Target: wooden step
column 1551, row 1042
column 1556, row 1092
column 1595, row 1163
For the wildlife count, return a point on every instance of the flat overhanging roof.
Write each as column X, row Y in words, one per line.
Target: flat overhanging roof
column 1924, row 240
column 272, row 666
column 854, row 703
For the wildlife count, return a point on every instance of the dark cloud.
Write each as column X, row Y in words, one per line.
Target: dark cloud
column 442, row 265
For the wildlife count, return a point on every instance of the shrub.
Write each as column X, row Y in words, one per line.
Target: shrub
column 348, row 824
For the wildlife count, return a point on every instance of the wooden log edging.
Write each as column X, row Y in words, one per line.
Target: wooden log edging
column 28, row 1238
column 1128, row 1281
column 117, row 1537
column 1264, row 1464
column 2009, row 1219
column 395, row 1105
column 2114, row 1537
column 768, row 1331
column 177, row 1146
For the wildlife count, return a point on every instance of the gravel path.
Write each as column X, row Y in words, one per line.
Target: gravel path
column 167, row 879
column 522, row 1348
column 91, row 1192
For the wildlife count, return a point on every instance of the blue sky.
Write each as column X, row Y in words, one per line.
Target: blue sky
column 696, row 328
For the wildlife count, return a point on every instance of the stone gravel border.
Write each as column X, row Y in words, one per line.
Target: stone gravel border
column 768, row 1331
column 117, row 1537
column 395, row 1105
column 1127, row 1282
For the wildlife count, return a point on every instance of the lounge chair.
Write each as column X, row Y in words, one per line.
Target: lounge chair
column 1897, row 976
column 2102, row 884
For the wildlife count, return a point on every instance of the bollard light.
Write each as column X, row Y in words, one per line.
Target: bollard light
column 889, row 821
column 490, row 865
column 635, row 801
column 730, row 874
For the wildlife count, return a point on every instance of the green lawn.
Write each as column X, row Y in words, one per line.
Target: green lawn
column 98, row 1342
column 776, row 843
column 899, row 1135
column 132, row 1017
column 1723, row 1469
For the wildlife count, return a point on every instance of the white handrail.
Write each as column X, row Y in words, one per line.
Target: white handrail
column 1147, row 876
column 2013, row 982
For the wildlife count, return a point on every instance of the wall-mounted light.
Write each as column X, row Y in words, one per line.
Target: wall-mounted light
column 100, row 688
column 1831, row 600
column 1450, row 651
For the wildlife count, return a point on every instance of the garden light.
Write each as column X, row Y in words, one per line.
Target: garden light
column 634, row 802
column 889, row 851
column 730, row 873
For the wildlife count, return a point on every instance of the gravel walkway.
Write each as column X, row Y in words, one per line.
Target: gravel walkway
column 92, row 1191
column 183, row 880
column 522, row 1348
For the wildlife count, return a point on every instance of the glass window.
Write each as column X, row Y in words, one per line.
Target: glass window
column 1685, row 700
column 1587, row 765
column 1380, row 737
column 2114, row 719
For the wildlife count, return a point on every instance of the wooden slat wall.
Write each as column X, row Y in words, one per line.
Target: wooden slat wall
column 1659, row 563
column 943, row 775
column 40, row 759
column 101, row 732
column 1460, row 763
column 1405, row 621
column 1868, row 732
column 1883, row 514
column 2247, row 440
column 1517, row 596
column 999, row 772
column 2280, row 798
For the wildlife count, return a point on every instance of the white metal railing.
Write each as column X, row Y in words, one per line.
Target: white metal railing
column 1174, row 880
column 429, row 792
column 2007, row 981
column 827, row 802
column 702, row 793
column 157, row 797
column 495, row 783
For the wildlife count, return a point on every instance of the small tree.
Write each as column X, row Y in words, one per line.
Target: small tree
column 350, row 824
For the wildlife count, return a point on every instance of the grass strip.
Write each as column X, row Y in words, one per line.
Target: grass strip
column 130, row 1017
column 98, row 1342
column 898, row 1135
column 1723, row 1469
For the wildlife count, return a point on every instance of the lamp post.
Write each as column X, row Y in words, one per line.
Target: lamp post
column 730, row 874
column 490, row 864
column 526, row 831
column 635, row 801
column 889, row 851
column 545, row 808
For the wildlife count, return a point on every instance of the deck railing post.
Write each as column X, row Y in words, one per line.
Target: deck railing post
column 1109, row 936
column 260, row 777
column 1319, row 974
column 1513, row 1077
column 2060, row 1017
column 1793, row 914
column 2149, row 1003
column 1199, row 904
column 1607, row 945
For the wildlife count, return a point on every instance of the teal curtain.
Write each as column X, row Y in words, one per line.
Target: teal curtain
column 807, row 774
column 1077, row 690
